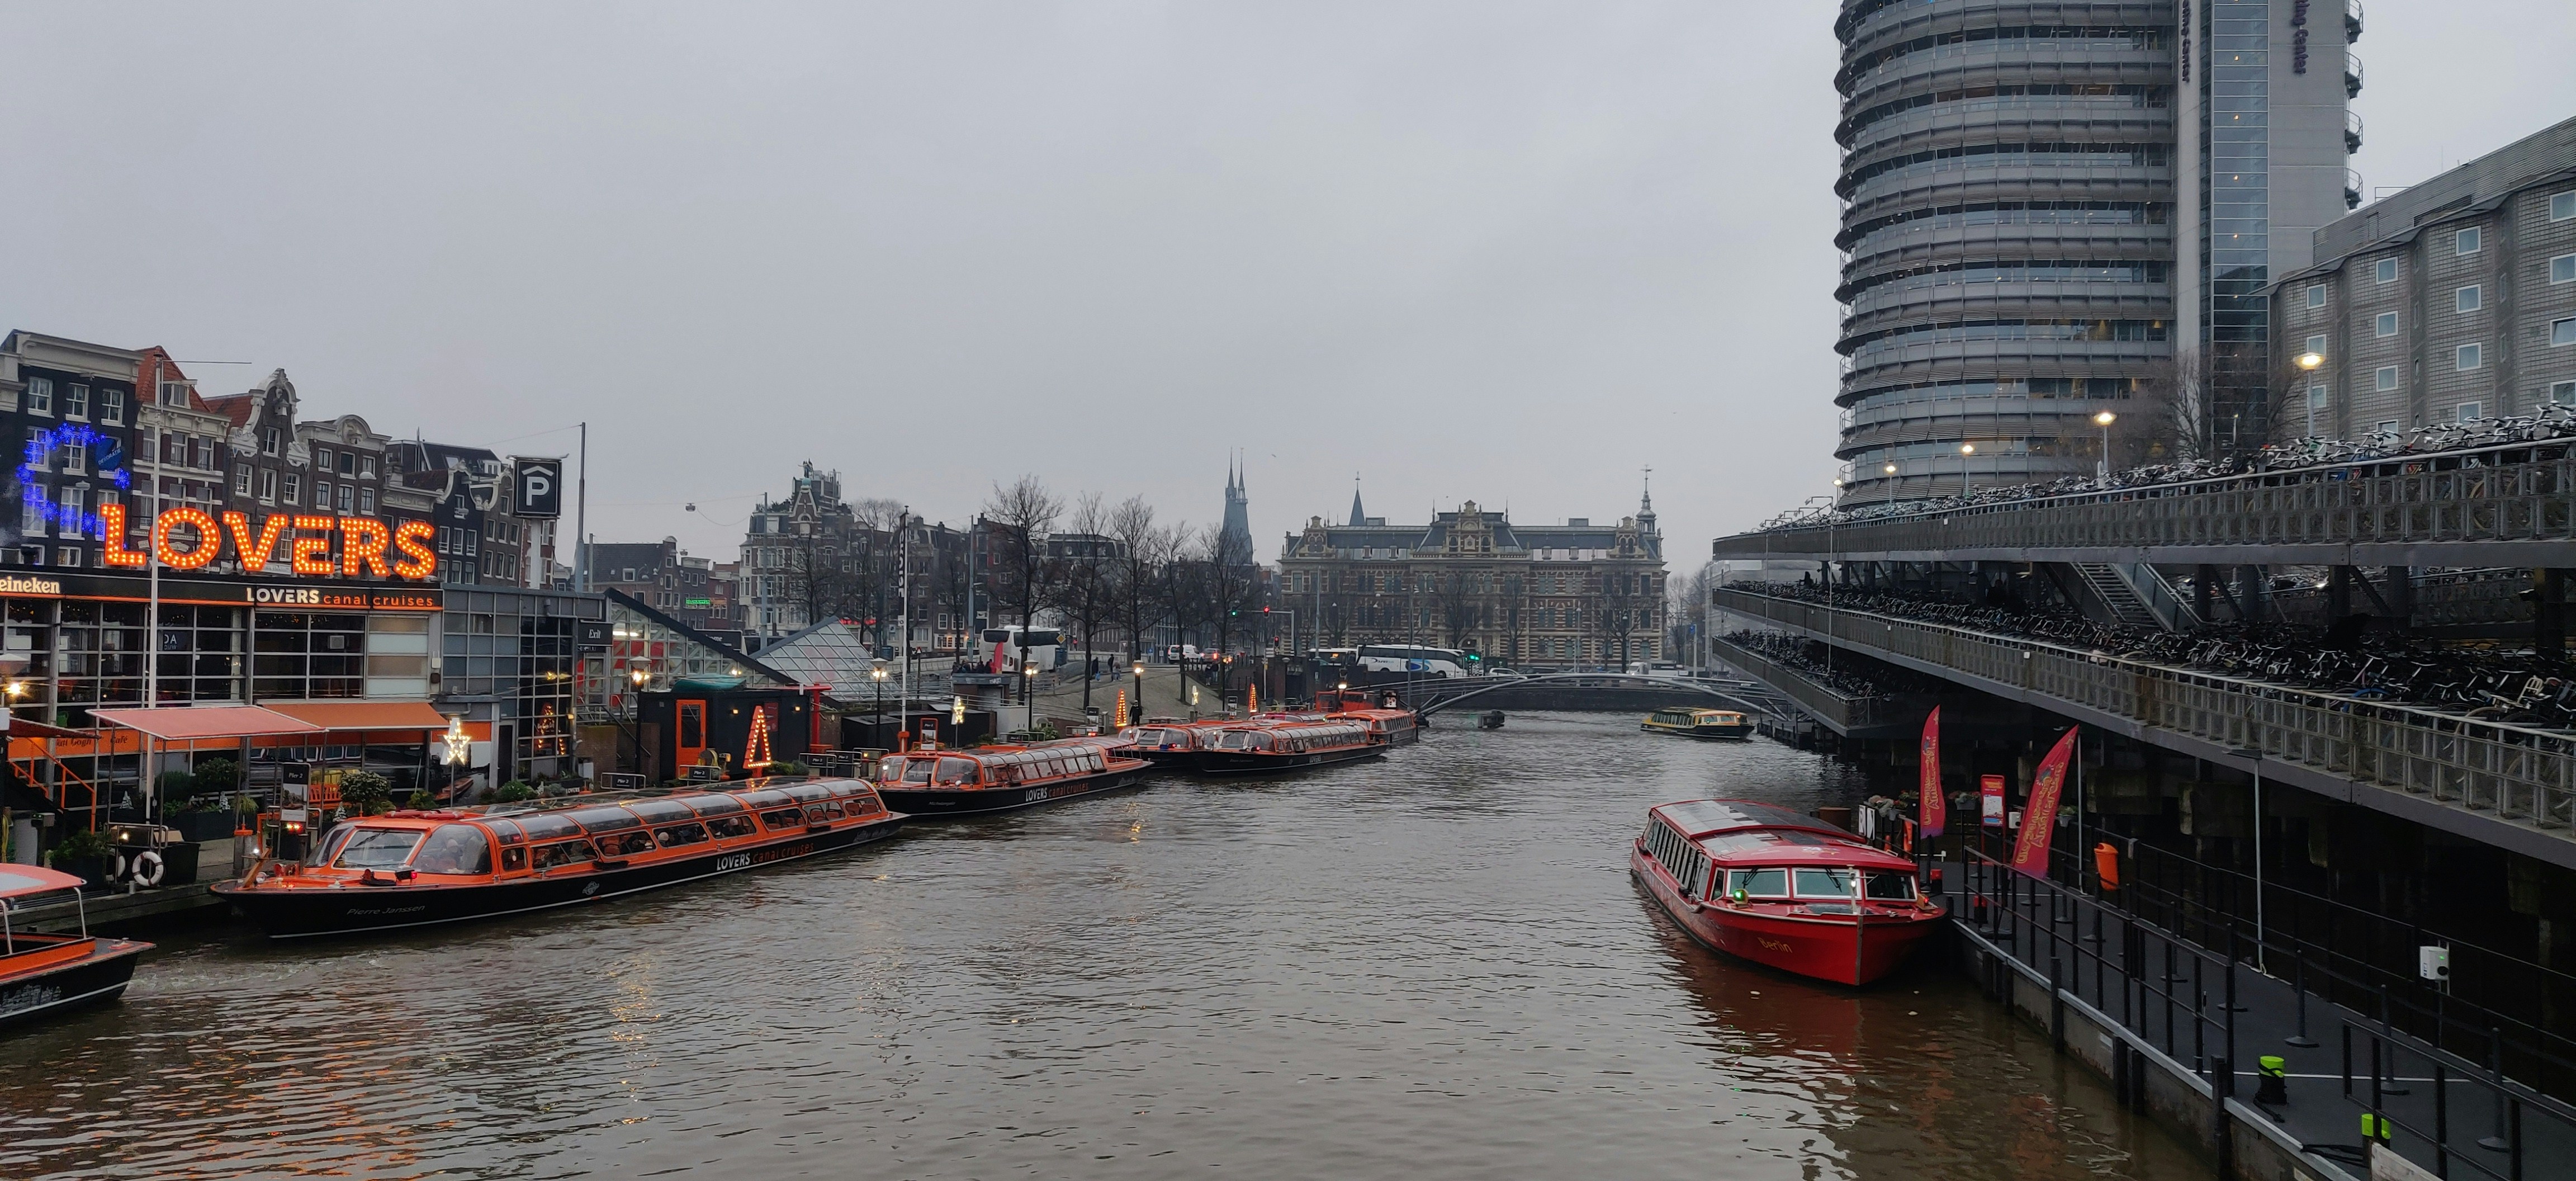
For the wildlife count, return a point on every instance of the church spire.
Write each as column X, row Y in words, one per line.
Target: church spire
column 1359, row 516
column 1646, row 504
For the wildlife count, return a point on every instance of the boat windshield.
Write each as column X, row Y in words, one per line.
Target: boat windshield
column 377, row 848
column 329, row 846
column 1162, row 738
column 454, row 848
column 1242, row 740
column 1762, row 883
column 1891, row 887
column 905, row 770
column 952, row 771
column 1824, row 883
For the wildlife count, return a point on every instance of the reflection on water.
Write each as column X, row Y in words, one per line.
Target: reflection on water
column 1434, row 966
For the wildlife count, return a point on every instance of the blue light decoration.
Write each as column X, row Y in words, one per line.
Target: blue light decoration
column 107, row 450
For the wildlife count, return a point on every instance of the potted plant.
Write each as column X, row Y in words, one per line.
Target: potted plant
column 366, row 793
column 420, row 801
column 513, row 792
column 83, row 854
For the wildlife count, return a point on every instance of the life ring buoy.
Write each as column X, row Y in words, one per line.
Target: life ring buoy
column 148, row 869
column 116, row 866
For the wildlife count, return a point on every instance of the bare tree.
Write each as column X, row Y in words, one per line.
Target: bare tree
column 2177, row 409
column 1233, row 586
column 1144, row 550
column 1454, row 593
column 1086, row 589
column 1685, row 600
column 1187, row 594
column 1025, row 511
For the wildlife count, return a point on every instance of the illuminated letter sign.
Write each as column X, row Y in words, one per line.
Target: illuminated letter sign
column 210, row 540
column 111, row 533
column 365, row 546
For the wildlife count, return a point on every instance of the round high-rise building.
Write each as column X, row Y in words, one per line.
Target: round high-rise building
column 2007, row 192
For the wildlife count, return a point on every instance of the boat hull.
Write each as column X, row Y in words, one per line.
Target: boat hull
column 1167, row 760
column 984, row 801
column 1819, row 947
column 31, row 997
column 1742, row 733
column 1227, row 762
column 362, row 910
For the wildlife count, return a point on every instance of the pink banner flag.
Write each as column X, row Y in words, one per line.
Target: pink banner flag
column 2039, row 813
column 1932, row 812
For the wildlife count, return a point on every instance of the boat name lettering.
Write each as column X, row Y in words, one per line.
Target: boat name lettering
column 780, row 854
column 1770, row 944
column 733, row 861
column 353, row 912
column 35, row 996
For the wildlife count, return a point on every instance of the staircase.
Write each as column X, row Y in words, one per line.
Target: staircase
column 2124, row 604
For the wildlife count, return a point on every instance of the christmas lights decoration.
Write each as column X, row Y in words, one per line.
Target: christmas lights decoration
column 755, row 749
column 37, row 463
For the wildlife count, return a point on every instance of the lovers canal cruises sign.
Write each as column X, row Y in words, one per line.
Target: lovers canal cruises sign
column 315, row 545
column 308, row 595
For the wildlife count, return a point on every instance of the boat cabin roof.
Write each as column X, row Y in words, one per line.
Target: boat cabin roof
column 18, row 881
column 1743, row 832
column 611, row 814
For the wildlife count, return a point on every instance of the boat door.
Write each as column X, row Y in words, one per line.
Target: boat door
column 691, row 740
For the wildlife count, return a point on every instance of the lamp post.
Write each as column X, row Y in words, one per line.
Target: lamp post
column 2255, row 755
column 1891, row 485
column 635, row 678
column 1140, row 692
column 877, row 673
column 2307, row 363
column 2104, row 421
column 1029, row 685
column 1967, row 482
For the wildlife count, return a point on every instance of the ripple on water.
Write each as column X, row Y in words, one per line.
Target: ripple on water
column 1429, row 967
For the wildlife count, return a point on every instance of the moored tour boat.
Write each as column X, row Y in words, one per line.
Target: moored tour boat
column 1169, row 744
column 1389, row 724
column 1293, row 743
column 1698, row 723
column 43, row 975
column 414, row 869
column 1000, row 778
column 1784, row 890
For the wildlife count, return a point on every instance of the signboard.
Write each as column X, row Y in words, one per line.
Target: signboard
column 1990, row 798
column 590, row 635
column 314, row 545
column 697, row 602
column 223, row 590
column 540, row 492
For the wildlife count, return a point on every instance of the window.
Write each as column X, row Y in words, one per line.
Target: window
column 31, row 510
column 455, row 849
column 267, row 486
column 2316, row 295
column 2466, row 241
column 2563, row 393
column 111, row 407
column 1759, row 883
column 367, row 466
column 2468, row 299
column 348, row 463
column 2387, row 271
column 2468, row 357
column 2386, row 325
column 321, row 493
column 2562, row 206
column 366, row 502
column 2562, row 269
column 293, row 485
column 75, row 459
column 2562, row 331
column 76, row 402
column 321, row 460
column 2384, row 379
column 241, row 480
column 2316, row 397
column 2468, row 412
column 268, row 441
column 345, row 497
column 67, row 556
column 40, row 395
column 2317, row 344
column 2386, row 426
column 1824, row 883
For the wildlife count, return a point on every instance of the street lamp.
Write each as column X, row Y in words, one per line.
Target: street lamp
column 636, row 677
column 877, row 673
column 1966, row 481
column 2104, row 421
column 1029, row 681
column 2310, row 359
column 2307, row 363
column 1139, row 717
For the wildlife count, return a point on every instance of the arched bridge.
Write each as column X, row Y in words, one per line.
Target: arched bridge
column 1440, row 698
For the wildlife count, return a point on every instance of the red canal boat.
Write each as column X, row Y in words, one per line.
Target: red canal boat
column 41, row 975
column 417, row 869
column 1783, row 890
column 1000, row 778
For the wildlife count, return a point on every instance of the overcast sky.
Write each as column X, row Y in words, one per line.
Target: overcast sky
column 1504, row 252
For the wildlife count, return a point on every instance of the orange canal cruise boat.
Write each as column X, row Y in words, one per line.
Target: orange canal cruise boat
column 42, row 975
column 418, row 869
column 1169, row 743
column 1000, row 778
column 1783, row 890
column 1288, row 743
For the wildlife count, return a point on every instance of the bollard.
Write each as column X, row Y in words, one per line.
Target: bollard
column 2274, row 1087
column 2222, row 1087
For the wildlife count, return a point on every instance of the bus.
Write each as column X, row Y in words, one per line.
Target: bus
column 1413, row 660
column 1002, row 648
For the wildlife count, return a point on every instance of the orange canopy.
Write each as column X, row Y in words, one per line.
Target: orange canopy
column 363, row 715
column 173, row 723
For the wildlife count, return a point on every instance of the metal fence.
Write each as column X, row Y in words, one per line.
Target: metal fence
column 1843, row 712
column 2522, row 492
column 2511, row 772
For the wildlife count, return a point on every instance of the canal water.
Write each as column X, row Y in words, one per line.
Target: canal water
column 1430, row 967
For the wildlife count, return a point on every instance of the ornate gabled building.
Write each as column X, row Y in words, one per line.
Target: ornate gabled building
column 1575, row 594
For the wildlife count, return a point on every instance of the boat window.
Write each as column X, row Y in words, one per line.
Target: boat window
column 954, row 771
column 599, row 820
column 1234, row 740
column 784, row 818
column 918, row 771
column 706, row 806
column 681, row 834
column 329, row 847
column 657, row 810
column 1761, row 883
column 514, row 858
column 377, row 848
column 1824, row 883
column 765, row 799
column 626, row 843
column 563, row 853
column 454, row 848
column 505, row 832
column 729, row 827
column 891, row 770
column 1892, row 887
column 541, row 827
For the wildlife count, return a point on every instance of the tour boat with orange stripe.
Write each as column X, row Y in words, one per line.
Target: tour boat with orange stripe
column 44, row 975
column 1171, row 744
column 418, row 869
column 1000, row 778
column 1291, row 743
column 1788, row 891
column 1389, row 723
